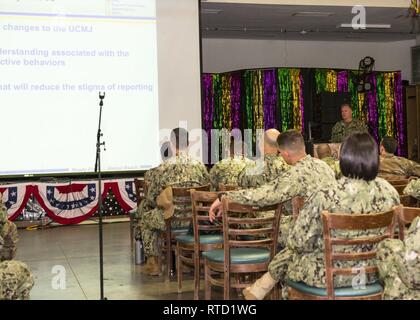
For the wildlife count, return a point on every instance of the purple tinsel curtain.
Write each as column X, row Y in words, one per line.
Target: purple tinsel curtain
column 208, row 107
column 399, row 115
column 208, row 102
column 372, row 106
column 342, row 81
column 235, row 94
column 270, row 99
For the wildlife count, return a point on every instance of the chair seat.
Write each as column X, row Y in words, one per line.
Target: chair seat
column 204, row 239
column 180, row 230
column 370, row 289
column 239, row 255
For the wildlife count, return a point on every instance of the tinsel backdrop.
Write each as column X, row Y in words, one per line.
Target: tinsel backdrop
column 253, row 99
column 380, row 108
column 274, row 98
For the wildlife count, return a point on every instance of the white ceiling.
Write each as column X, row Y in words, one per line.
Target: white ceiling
column 254, row 21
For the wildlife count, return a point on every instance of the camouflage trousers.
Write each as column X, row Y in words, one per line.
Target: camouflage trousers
column 278, row 269
column 279, row 265
column 16, row 281
column 8, row 241
column 395, row 288
column 285, row 225
column 151, row 223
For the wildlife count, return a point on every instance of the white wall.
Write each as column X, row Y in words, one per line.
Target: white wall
column 366, row 3
column 179, row 63
column 220, row 55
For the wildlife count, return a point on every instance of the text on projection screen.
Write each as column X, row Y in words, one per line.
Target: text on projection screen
column 55, row 58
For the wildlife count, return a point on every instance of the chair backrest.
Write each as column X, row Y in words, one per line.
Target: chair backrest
column 353, row 222
column 297, row 205
column 399, row 182
column 394, row 179
column 201, row 202
column 182, row 199
column 141, row 189
column 241, row 229
column 405, row 216
column 408, row 201
column 400, row 188
column 227, row 187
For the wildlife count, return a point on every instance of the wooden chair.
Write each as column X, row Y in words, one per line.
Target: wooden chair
column 409, row 201
column 347, row 222
column 241, row 254
column 405, row 216
column 181, row 198
column 227, row 187
column 297, row 205
column 395, row 180
column 190, row 246
column 400, row 188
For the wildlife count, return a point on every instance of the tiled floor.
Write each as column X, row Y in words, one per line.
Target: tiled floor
column 76, row 249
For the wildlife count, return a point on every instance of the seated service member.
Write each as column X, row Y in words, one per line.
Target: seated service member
column 413, row 189
column 16, row 280
column 359, row 191
column 257, row 173
column 393, row 165
column 399, row 265
column 304, row 178
column 325, row 154
column 227, row 171
column 8, row 235
column 178, row 171
column 347, row 126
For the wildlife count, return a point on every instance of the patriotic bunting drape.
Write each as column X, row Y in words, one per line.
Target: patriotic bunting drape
column 70, row 202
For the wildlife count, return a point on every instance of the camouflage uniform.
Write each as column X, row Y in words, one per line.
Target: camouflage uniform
column 227, row 171
column 272, row 167
column 334, row 164
column 399, row 265
column 303, row 179
column 16, row 280
column 142, row 207
column 341, row 130
column 413, row 189
column 393, row 165
column 8, row 236
column 179, row 171
column 303, row 259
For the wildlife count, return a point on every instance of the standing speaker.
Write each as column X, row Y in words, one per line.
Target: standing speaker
column 331, row 112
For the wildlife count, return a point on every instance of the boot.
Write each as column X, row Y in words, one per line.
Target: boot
column 155, row 267
column 260, row 288
column 148, row 265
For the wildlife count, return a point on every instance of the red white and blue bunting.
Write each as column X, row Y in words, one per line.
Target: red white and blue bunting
column 70, row 202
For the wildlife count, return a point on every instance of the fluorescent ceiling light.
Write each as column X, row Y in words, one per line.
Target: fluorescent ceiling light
column 211, row 11
column 364, row 26
column 312, row 14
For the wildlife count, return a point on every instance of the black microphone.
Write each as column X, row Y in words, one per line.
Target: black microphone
column 102, row 97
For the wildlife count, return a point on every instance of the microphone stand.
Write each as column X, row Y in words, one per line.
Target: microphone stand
column 98, row 170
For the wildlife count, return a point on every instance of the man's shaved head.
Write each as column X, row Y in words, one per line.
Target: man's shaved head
column 323, row 151
column 270, row 137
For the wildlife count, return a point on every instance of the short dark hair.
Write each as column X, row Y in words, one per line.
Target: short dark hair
column 348, row 104
column 390, row 144
column 291, row 140
column 359, row 157
column 179, row 138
